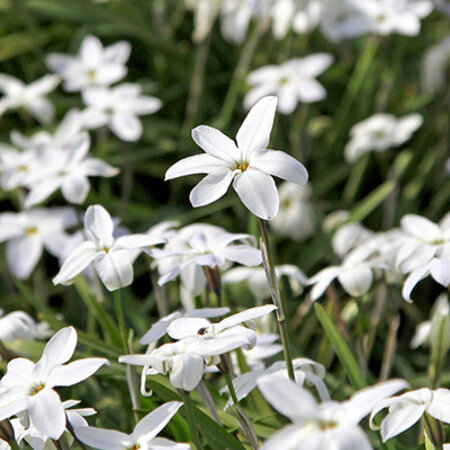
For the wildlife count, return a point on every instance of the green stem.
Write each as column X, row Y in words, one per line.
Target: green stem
column 239, row 74
column 131, row 370
column 191, row 418
column 272, row 278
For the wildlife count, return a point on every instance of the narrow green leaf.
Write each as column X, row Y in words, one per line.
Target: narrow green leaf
column 372, row 201
column 341, row 348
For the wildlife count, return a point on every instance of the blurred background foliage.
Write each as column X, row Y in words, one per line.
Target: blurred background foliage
column 369, row 74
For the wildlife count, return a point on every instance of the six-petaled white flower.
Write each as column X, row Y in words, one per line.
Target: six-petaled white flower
column 249, row 165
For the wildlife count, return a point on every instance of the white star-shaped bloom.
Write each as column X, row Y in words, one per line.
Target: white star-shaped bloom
column 119, row 108
column 31, row 97
column 20, row 325
column 249, row 165
column 406, row 409
column 379, row 133
column 292, row 82
column 28, row 232
column 29, row 387
column 321, row 426
column 93, row 66
column 112, row 258
column 66, row 168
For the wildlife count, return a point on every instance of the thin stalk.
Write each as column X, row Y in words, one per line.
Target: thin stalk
column 239, row 74
column 244, row 421
column 131, row 378
column 5, row 353
column 13, row 444
column 434, row 432
column 208, row 401
column 196, row 85
column 390, row 347
column 272, row 278
column 191, row 418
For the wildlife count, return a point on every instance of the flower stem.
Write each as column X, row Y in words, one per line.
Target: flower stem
column 191, row 418
column 131, row 370
column 272, row 278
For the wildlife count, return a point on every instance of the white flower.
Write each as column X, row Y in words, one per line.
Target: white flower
column 249, row 165
column 300, row 15
column 31, row 97
column 159, row 328
column 295, row 219
column 93, row 66
column 119, row 108
column 199, row 342
column 15, row 166
column 69, row 127
column 355, row 274
column 349, row 18
column 206, row 249
column 435, row 66
column 205, row 13
column 111, row 257
column 29, row 387
column 257, row 279
column 28, row 232
column 143, row 435
column 424, row 250
column 306, row 371
column 380, row 132
column 329, row 425
column 183, row 252
column 67, row 169
column 435, row 331
column 406, row 409
column 235, row 18
column 292, row 82
column 266, row 346
column 348, row 237
column 20, row 325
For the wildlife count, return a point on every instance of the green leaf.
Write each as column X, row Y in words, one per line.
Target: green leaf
column 341, row 348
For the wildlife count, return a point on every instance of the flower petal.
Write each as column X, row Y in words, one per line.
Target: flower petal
column 47, row 413
column 150, row 426
column 211, row 188
column 99, row 226
column 193, row 165
column 254, row 132
column 216, row 144
column 102, row 438
column 114, row 269
column 243, row 316
column 23, row 254
column 76, row 262
column 187, row 371
column 258, row 192
column 126, row 127
column 75, row 372
column 281, row 165
column 75, row 188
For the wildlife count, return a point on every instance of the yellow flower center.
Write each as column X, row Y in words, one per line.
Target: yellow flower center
column 38, row 389
column 30, row 231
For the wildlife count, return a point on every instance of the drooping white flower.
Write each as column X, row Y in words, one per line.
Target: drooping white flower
column 350, row 236
column 199, row 343
column 143, row 435
column 257, row 279
column 111, row 257
column 159, row 328
column 295, row 219
column 300, row 15
column 28, row 232
column 321, row 426
column 29, row 387
column 379, row 133
column 209, row 249
column 306, row 370
column 20, row 325
column 435, row 66
column 355, row 274
column 118, row 108
column 406, row 409
column 249, row 165
column 32, row 97
column 16, row 165
column 94, row 65
column 351, row 18
column 67, row 169
column 292, row 82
